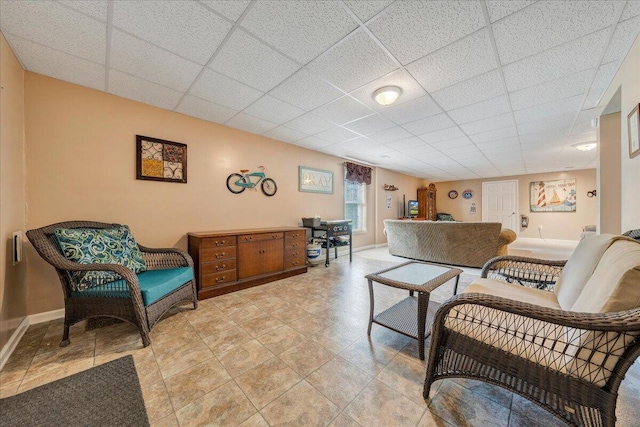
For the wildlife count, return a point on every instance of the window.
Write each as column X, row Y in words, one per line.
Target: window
column 355, row 205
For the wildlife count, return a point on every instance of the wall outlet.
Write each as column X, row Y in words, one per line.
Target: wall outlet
column 17, row 247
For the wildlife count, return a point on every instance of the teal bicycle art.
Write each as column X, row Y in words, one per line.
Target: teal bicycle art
column 238, row 182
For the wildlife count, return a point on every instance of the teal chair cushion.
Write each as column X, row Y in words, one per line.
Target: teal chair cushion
column 154, row 284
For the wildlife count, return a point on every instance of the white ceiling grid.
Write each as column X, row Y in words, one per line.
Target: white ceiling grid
column 490, row 88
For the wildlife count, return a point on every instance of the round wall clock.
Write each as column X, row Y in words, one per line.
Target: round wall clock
column 467, row 194
column 453, row 194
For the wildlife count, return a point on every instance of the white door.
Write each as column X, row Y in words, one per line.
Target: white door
column 500, row 203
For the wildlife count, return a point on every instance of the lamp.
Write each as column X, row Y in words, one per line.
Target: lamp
column 387, row 95
column 586, row 146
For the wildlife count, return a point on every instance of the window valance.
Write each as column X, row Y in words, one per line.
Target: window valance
column 357, row 174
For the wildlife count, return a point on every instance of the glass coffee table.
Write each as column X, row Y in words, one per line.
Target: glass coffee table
column 409, row 316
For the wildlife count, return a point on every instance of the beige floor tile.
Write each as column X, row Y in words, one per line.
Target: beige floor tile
column 244, row 313
column 195, row 382
column 300, row 406
column 405, row 376
column 343, row 420
column 244, row 357
column 497, row 394
column 224, row 406
column 168, row 421
column 289, row 313
column 261, row 325
column 175, row 339
column 379, row 405
column 308, row 325
column 340, row 381
column 223, row 341
column 255, row 421
column 267, row 381
column 429, row 419
column 204, row 314
column 9, row 389
column 156, row 401
column 281, row 339
column 526, row 413
column 53, row 372
column 306, row 357
column 205, row 329
column 182, row 358
column 270, row 304
column 369, row 357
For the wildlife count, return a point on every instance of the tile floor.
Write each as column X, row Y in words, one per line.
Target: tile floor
column 293, row 352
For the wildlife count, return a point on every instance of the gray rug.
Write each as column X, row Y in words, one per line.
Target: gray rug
column 107, row 395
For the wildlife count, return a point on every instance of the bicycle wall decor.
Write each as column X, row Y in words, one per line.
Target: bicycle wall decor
column 238, row 182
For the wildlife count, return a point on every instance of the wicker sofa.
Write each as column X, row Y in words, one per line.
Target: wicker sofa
column 469, row 244
column 560, row 333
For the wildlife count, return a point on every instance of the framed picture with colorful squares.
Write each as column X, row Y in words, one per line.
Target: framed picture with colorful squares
column 160, row 160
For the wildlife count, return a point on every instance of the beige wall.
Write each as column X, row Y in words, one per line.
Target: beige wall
column 609, row 200
column 627, row 78
column 12, row 186
column 406, row 186
column 556, row 225
column 81, row 165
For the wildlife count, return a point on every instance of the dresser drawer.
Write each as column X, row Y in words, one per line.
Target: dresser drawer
column 295, row 244
column 294, row 253
column 260, row 237
column 290, row 236
column 218, row 266
column 218, row 278
column 294, row 262
column 215, row 254
column 216, row 242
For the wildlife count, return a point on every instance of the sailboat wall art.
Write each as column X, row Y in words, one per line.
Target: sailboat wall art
column 553, row 196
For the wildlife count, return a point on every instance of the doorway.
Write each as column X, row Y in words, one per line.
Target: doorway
column 500, row 203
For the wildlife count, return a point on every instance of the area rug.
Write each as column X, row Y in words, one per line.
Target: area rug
column 106, row 395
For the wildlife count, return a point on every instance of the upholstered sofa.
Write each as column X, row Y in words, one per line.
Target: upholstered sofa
column 560, row 333
column 469, row 244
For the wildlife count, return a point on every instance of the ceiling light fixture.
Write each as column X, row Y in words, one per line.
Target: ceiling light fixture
column 387, row 95
column 586, row 146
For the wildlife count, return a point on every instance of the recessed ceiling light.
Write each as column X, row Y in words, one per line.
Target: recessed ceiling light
column 387, row 95
column 586, row 146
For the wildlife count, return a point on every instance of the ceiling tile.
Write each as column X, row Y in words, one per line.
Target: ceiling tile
column 186, row 28
column 50, row 62
column 569, row 58
column 455, row 63
column 495, row 134
column 405, row 143
column 410, row 90
column 551, row 109
column 131, row 87
column 411, row 30
column 388, row 135
column 342, row 110
column 301, row 30
column 430, row 124
column 364, row 145
column 251, row 62
column 499, row 144
column 353, row 62
column 250, row 124
column 305, row 90
column 95, row 8
column 623, row 37
column 563, row 87
column 413, row 110
column 520, row 35
column 453, row 143
column 498, row 9
column 55, row 26
column 422, row 151
column 222, row 90
column 476, row 89
column 485, row 125
column 367, row 9
column 442, row 135
column 482, row 110
column 587, row 115
column 369, row 124
column 282, row 133
column 231, row 9
column 312, row 143
column 600, row 83
column 559, row 124
column 273, row 110
column 630, row 10
column 205, row 110
column 581, row 127
column 309, row 124
column 337, row 134
column 144, row 60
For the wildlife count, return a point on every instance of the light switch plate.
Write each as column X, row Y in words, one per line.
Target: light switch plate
column 17, row 247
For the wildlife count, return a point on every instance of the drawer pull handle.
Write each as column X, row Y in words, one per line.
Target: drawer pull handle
column 220, row 279
column 221, row 243
column 220, row 267
column 294, row 245
column 221, row 254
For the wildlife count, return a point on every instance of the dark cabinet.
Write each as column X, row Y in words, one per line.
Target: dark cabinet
column 427, row 202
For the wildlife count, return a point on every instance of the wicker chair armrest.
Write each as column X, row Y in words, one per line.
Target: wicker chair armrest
column 162, row 258
column 621, row 321
column 540, row 273
column 127, row 274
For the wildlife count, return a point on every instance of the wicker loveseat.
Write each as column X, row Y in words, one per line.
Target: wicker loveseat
column 560, row 333
column 469, row 244
column 139, row 298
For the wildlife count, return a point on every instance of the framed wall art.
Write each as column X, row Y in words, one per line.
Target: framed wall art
column 633, row 123
column 553, row 196
column 160, row 160
column 315, row 180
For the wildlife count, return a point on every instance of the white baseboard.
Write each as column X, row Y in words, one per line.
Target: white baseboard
column 46, row 316
column 13, row 341
column 361, row 248
column 534, row 242
column 381, row 245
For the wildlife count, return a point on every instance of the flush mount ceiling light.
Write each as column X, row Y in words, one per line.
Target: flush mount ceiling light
column 387, row 95
column 586, row 146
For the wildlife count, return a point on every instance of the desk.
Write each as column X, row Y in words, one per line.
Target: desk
column 329, row 231
column 421, row 277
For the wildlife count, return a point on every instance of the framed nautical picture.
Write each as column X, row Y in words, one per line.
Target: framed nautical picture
column 553, row 196
column 160, row 160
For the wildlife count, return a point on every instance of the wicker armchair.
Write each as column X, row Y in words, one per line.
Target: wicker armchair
column 124, row 302
column 570, row 363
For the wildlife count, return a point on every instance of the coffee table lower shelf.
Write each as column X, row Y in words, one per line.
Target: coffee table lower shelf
column 401, row 317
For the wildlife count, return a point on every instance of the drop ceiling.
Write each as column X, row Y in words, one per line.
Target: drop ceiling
column 490, row 88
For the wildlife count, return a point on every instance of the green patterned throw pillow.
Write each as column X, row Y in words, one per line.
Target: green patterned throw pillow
column 99, row 246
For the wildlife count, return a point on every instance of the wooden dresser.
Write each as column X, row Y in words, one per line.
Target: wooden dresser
column 427, row 202
column 230, row 260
